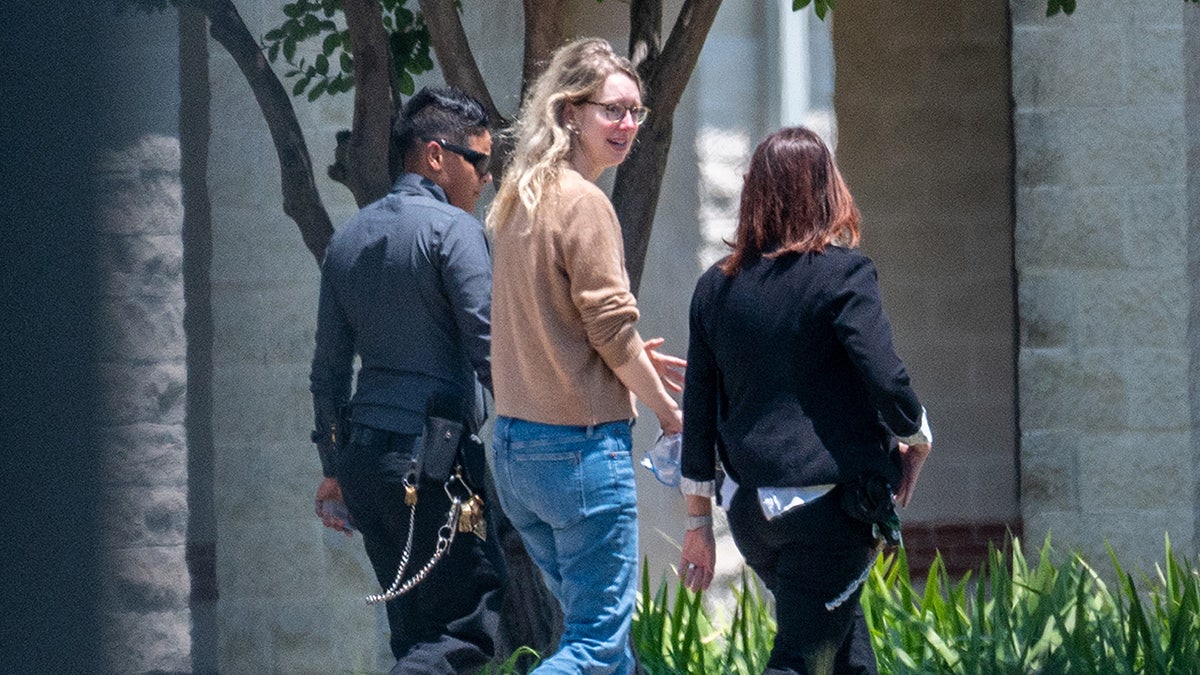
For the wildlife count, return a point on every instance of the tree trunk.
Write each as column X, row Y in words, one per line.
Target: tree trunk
column 366, row 152
column 301, row 201
column 665, row 74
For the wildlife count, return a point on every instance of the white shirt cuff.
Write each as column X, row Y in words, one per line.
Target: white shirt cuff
column 924, row 435
column 707, row 488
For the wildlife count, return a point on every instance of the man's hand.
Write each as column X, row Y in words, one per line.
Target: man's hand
column 670, row 369
column 330, row 491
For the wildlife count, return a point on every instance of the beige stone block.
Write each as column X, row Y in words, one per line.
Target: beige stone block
column 1156, row 74
column 1158, row 389
column 1065, row 529
column 271, row 324
column 134, row 515
column 1055, row 68
column 331, row 634
column 144, row 454
column 156, row 642
column 1116, row 146
column 254, row 403
column 1132, row 472
column 140, row 329
column 976, row 305
column 1059, row 390
column 985, row 22
column 991, row 490
column 1048, row 305
column 249, row 175
column 979, row 427
column 259, row 247
column 145, row 580
column 1133, row 308
column 1050, row 471
column 141, row 265
column 1070, row 227
column 135, row 392
column 267, row 561
column 271, row 482
column 941, row 364
column 1155, row 227
column 243, row 644
column 1139, row 538
column 140, row 189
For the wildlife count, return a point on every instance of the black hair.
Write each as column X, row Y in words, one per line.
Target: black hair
column 437, row 113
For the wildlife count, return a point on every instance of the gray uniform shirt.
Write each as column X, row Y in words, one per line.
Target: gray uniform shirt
column 406, row 285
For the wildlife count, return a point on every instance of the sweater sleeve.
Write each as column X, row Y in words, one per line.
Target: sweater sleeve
column 864, row 331
column 594, row 262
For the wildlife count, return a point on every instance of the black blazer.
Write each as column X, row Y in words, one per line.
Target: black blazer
column 792, row 376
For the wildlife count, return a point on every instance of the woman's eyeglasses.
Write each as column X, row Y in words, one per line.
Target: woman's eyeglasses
column 615, row 112
column 478, row 160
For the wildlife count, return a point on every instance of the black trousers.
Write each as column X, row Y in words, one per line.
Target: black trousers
column 447, row 623
column 806, row 557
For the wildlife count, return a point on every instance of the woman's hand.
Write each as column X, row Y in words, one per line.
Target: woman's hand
column 670, row 369
column 699, row 558
column 912, row 458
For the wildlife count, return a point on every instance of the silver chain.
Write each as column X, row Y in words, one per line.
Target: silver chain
column 445, row 538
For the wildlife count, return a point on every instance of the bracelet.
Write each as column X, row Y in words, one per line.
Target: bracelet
column 694, row 522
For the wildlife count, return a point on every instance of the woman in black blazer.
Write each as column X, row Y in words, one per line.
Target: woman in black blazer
column 793, row 382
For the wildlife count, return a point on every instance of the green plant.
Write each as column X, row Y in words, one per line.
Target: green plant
column 1013, row 617
column 1020, row 617
column 523, row 655
column 681, row 636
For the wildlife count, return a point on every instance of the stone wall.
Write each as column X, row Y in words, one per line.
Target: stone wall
column 1103, row 235
column 143, row 515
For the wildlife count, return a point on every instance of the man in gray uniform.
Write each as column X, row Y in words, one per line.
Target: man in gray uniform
column 406, row 286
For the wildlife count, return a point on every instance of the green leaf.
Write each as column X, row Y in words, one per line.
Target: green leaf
column 322, row 64
column 289, row 50
column 298, row 88
column 293, row 10
column 346, row 62
column 799, row 4
column 317, row 90
column 330, row 43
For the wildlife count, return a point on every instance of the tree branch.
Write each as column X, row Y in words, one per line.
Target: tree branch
column 666, row 74
column 301, row 201
column 367, row 149
column 544, row 20
column 453, row 52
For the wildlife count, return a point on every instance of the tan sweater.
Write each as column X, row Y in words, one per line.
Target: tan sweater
column 562, row 312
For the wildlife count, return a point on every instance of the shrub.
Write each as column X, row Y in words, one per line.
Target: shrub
column 1015, row 617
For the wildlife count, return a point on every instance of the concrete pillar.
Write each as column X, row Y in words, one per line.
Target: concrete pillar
column 921, row 97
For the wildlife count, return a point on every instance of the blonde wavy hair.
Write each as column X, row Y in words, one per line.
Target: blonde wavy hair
column 543, row 142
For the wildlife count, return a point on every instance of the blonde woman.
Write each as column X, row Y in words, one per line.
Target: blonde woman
column 566, row 355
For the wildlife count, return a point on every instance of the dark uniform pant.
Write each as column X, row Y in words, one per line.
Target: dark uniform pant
column 447, row 623
column 807, row 557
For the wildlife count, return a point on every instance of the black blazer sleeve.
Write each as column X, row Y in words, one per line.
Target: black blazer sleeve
column 865, row 332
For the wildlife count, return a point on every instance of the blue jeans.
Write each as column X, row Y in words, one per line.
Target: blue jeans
column 570, row 493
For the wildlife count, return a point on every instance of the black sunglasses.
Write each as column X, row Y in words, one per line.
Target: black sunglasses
column 478, row 160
